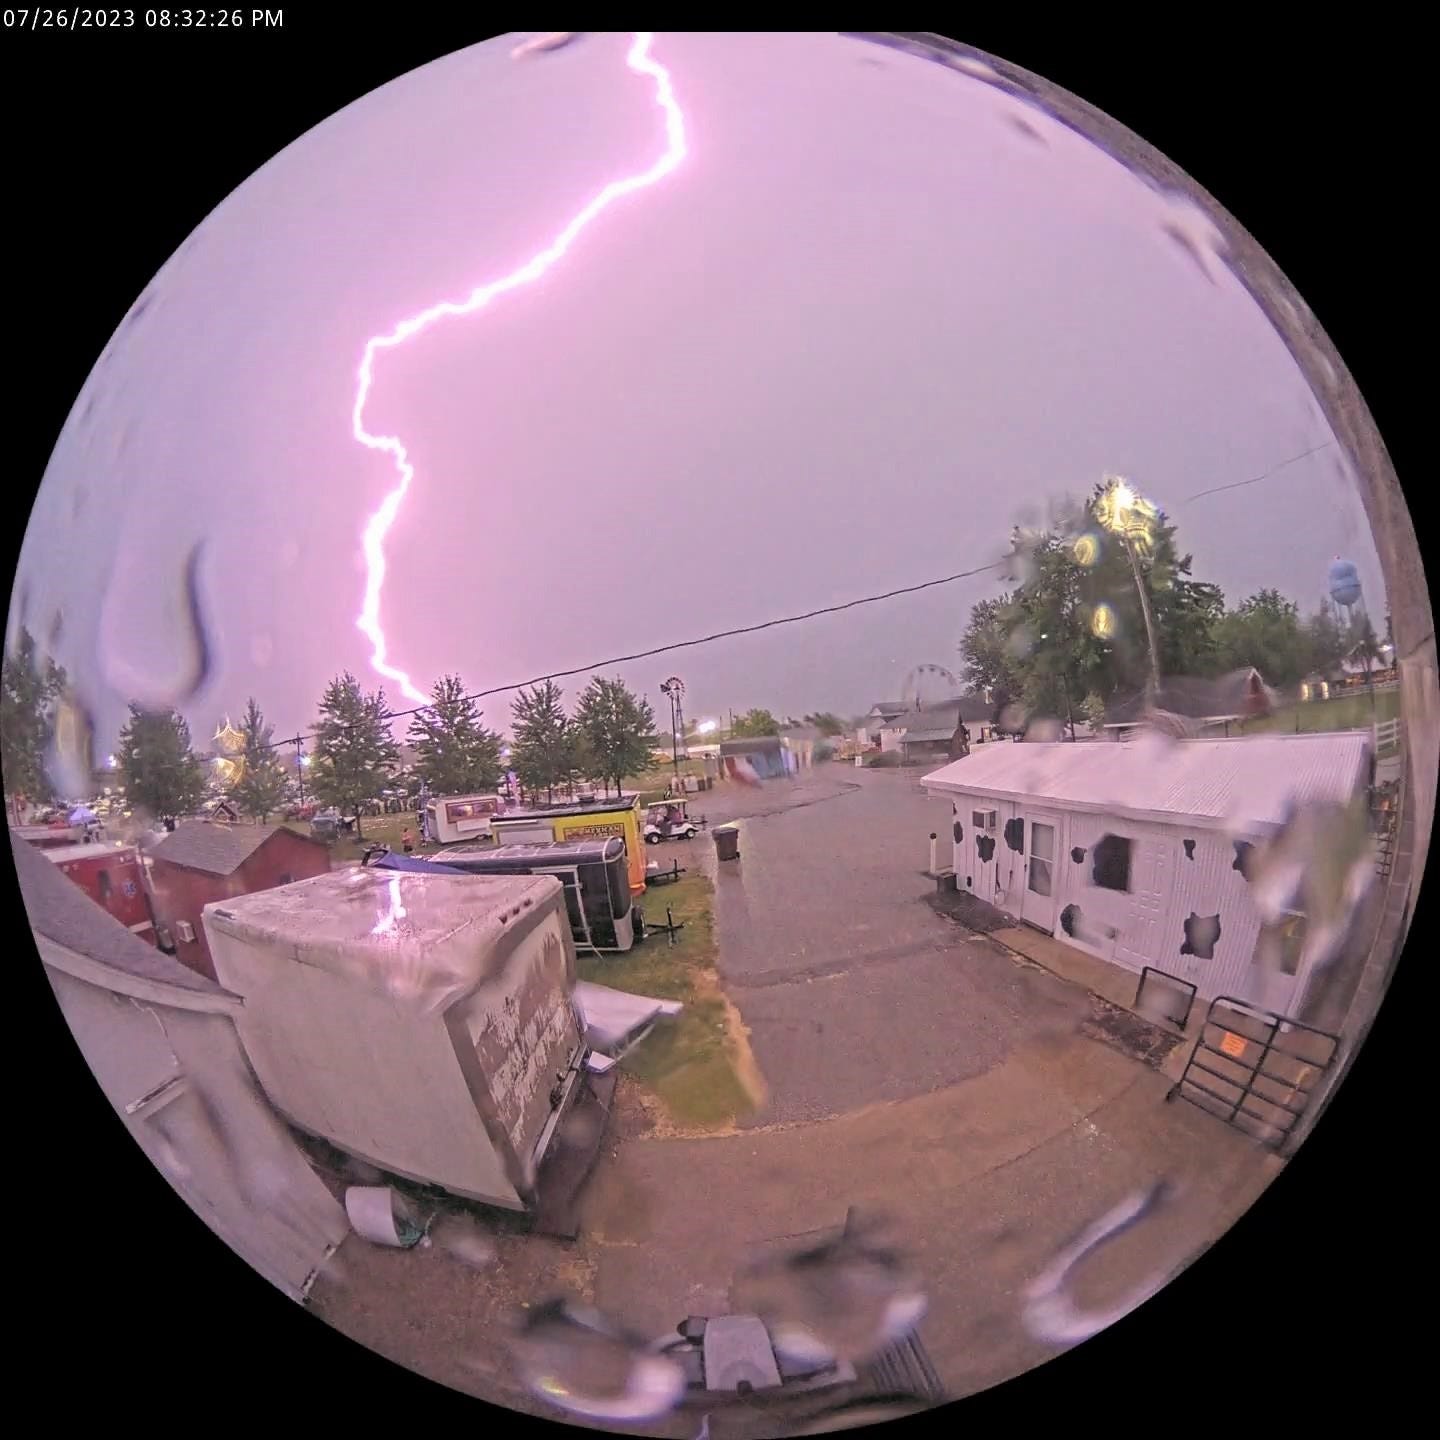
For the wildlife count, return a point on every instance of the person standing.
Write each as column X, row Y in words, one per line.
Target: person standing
column 407, row 840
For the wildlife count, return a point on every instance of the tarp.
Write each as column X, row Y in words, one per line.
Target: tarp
column 614, row 1020
column 414, row 864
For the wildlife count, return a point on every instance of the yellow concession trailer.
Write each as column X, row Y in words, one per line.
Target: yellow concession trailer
column 580, row 820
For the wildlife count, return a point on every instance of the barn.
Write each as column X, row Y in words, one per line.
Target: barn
column 1139, row 857
column 202, row 861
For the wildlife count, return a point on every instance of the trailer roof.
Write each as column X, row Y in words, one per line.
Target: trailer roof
column 574, row 807
column 1251, row 782
column 435, row 933
column 63, row 854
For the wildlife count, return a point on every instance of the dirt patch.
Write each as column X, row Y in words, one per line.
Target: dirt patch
column 1126, row 1032
column 969, row 910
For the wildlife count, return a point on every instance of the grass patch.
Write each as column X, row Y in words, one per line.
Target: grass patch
column 691, row 1064
column 1344, row 712
column 379, row 830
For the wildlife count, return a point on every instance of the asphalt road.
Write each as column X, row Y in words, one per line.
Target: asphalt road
column 855, row 991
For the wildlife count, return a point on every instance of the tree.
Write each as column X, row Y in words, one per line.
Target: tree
column 1323, row 639
column 826, row 722
column 265, row 782
column 455, row 753
column 355, row 752
column 160, row 771
column 29, row 690
column 1367, row 651
column 544, row 751
column 616, row 730
column 754, row 723
column 1265, row 632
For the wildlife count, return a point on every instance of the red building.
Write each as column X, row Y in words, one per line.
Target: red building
column 202, row 861
column 113, row 876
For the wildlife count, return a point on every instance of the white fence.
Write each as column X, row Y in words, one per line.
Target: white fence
column 1387, row 735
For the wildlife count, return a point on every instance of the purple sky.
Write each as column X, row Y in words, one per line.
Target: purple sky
column 839, row 351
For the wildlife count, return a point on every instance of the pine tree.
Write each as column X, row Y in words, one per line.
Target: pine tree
column 456, row 754
column 617, row 728
column 355, row 752
column 544, row 751
column 29, row 690
column 161, row 773
column 262, row 787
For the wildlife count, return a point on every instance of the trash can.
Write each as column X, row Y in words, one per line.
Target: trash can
column 727, row 843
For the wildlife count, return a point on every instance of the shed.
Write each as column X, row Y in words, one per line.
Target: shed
column 1218, row 707
column 162, row 1044
column 928, row 732
column 202, row 861
column 1136, row 855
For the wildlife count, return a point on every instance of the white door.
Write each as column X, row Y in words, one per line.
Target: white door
column 1041, row 845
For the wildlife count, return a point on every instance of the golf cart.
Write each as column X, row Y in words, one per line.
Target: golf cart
column 670, row 820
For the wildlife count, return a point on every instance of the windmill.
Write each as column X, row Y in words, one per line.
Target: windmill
column 674, row 690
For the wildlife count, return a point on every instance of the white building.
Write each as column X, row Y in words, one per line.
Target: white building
column 1135, row 856
column 162, row 1043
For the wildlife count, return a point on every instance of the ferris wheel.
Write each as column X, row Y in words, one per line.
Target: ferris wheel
column 927, row 684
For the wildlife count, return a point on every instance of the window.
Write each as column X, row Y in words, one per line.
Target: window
column 1280, row 945
column 1042, row 858
column 105, row 886
column 1110, row 863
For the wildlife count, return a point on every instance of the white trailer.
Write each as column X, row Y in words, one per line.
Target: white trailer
column 423, row 1023
column 452, row 819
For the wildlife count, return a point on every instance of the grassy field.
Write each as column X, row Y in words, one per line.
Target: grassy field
column 1344, row 712
column 698, row 1065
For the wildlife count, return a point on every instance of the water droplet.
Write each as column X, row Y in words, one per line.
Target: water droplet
column 462, row 1237
column 1051, row 1315
column 141, row 622
column 845, row 1299
column 579, row 1361
column 70, row 763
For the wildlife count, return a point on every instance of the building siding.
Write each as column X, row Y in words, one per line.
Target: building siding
column 182, row 894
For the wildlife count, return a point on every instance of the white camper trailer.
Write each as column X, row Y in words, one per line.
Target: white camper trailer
column 423, row 1023
column 452, row 819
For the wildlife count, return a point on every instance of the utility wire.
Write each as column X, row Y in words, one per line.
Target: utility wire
column 1255, row 480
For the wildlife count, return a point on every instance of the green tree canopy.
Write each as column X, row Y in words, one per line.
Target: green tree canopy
column 265, row 781
column 826, row 722
column 456, row 754
column 159, row 769
column 30, row 688
column 355, row 752
column 755, row 723
column 1264, row 631
column 616, row 728
column 544, row 752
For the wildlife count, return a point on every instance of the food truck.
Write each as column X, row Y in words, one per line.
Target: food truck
column 454, row 819
column 422, row 1023
column 595, row 874
column 580, row 820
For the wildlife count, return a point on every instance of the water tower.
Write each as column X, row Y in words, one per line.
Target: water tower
column 1346, row 593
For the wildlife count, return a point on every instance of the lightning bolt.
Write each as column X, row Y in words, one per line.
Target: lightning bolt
column 378, row 527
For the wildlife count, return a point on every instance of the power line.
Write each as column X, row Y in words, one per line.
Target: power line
column 718, row 635
column 1255, row 480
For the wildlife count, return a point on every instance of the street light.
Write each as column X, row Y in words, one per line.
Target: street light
column 1131, row 519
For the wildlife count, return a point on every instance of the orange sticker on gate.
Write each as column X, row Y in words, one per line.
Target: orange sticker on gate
column 1232, row 1045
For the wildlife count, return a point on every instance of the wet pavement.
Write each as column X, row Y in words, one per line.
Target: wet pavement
column 824, row 932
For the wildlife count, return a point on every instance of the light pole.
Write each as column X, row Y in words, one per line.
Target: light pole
column 674, row 690
column 1131, row 518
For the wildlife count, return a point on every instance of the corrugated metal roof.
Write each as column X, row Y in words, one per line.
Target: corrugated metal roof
column 214, row 848
column 60, row 910
column 1249, row 782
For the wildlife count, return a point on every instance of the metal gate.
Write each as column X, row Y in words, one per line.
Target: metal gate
column 1254, row 1069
